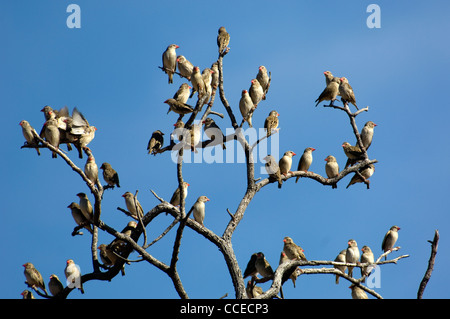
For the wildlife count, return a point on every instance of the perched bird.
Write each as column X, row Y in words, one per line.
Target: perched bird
column 79, row 131
column 292, row 250
column 110, row 175
column 185, row 67
column 252, row 290
column 329, row 78
column 33, row 277
column 346, row 92
column 246, row 106
column 286, row 162
column 79, row 218
column 199, row 209
column 215, row 75
column 331, row 168
column 198, row 85
column 107, row 256
column 52, row 134
column 169, row 59
column 250, row 270
column 86, row 207
column 182, row 94
column 156, row 142
column 329, row 93
column 118, row 245
column 54, row 285
column 133, row 205
column 28, row 132
column 340, row 258
column 357, row 292
column 207, row 78
column 271, row 122
column 263, row 267
column 351, row 255
column 223, row 39
column 213, row 131
column 390, row 239
column 195, row 135
column 273, row 169
column 256, row 92
column 26, row 294
column 366, row 257
column 366, row 172
column 263, row 79
column 367, row 134
column 289, row 274
column 73, row 275
column 178, row 107
column 91, row 169
column 175, row 200
column 353, row 153
column 305, row 161
column 179, row 132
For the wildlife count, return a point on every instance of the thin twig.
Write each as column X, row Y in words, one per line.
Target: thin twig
column 427, row 276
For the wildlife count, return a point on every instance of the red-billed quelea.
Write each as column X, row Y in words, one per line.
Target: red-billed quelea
column 91, row 169
column 26, row 294
column 118, row 245
column 367, row 134
column 178, row 107
column 28, row 132
column 305, row 161
column 195, row 134
column 256, row 92
column 340, row 258
column 263, row 267
column 366, row 257
column 54, row 285
column 357, row 292
column 198, row 85
column 250, row 269
column 182, row 94
column 133, row 205
column 80, row 131
column 330, row 78
column 271, row 122
column 110, row 175
column 169, row 59
column 207, row 77
column 107, row 256
column 185, row 67
column 33, row 277
column 273, row 169
column 263, row 79
column 246, row 106
column 390, row 239
column 353, row 153
column 331, row 168
column 366, row 172
column 352, row 255
column 73, row 275
column 175, row 200
column 79, row 218
column 199, row 209
column 252, row 290
column 223, row 39
column 156, row 142
column 214, row 132
column 329, row 93
column 285, row 163
column 292, row 274
column 292, row 250
column 215, row 75
column 52, row 134
column 346, row 92
column 86, row 207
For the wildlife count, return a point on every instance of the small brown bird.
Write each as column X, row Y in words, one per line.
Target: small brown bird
column 271, row 122
column 292, row 250
column 182, row 94
column 79, row 218
column 52, row 134
column 175, row 200
column 263, row 79
column 79, row 131
column 110, row 175
column 273, row 169
column 357, row 292
column 366, row 257
column 169, row 59
column 86, row 207
column 107, row 256
column 291, row 274
column 215, row 75
column 346, row 92
column 390, row 239
column 331, row 168
column 194, row 136
column 91, row 169
column 329, row 93
column 198, row 85
column 367, row 134
column 223, row 39
column 156, row 142
column 73, row 275
column 246, row 106
column 28, row 132
column 54, row 285
column 26, row 294
column 185, row 67
column 305, row 161
column 340, row 258
column 285, row 163
column 207, row 78
column 178, row 107
column 352, row 255
column 256, row 92
column 262, row 266
column 118, row 245
column 33, row 277
column 252, row 290
column 353, row 153
column 366, row 172
column 199, row 209
column 250, row 270
column 133, row 205
column 329, row 78
column 213, row 131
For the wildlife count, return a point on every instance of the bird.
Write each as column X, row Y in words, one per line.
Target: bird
column 185, row 67
column 107, row 255
column 110, row 175
column 80, row 131
column 212, row 130
column 28, row 132
column 175, row 200
column 179, row 132
column 329, row 93
column 366, row 172
column 366, row 257
column 285, row 162
column 178, row 107
column 357, row 292
column 292, row 250
column 329, row 78
column 390, row 239
column 86, row 207
column 250, row 269
column 367, row 134
column 353, row 153
column 252, row 290
column 61, row 117
column 223, row 39
column 246, row 106
column 91, row 169
column 351, row 255
column 195, row 135
column 156, row 142
column 207, row 78
column 256, row 92
column 346, row 92
column 33, row 277
column 169, row 59
column 331, row 168
column 271, row 122
column 54, row 285
column 305, row 161
column 79, row 218
column 340, row 258
column 73, row 275
column 263, row 267
column 263, row 79
column 215, row 75
column 182, row 94
column 133, row 205
column 118, row 245
column 52, row 134
column 199, row 209
column 273, row 169
column 198, row 85
column 26, row 294
column 289, row 274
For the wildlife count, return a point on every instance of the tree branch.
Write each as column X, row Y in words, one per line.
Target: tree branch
column 427, row 276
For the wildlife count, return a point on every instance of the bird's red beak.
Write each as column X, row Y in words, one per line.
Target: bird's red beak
column 313, row 149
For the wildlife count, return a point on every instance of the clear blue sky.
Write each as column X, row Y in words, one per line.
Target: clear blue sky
column 109, row 70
